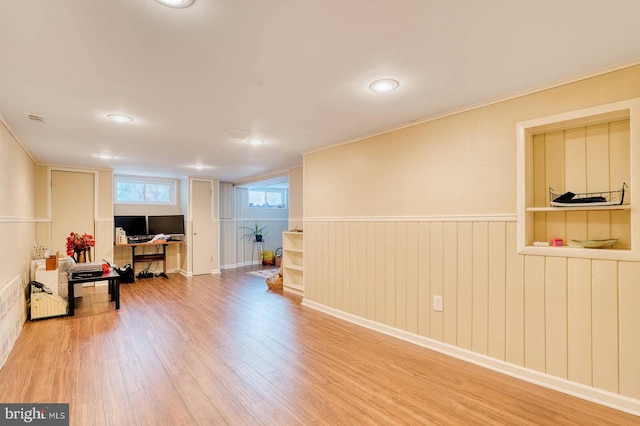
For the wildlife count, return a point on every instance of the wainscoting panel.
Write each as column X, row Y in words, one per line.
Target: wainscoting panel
column 570, row 318
column 629, row 320
column 514, row 296
column 579, row 327
column 604, row 277
column 13, row 307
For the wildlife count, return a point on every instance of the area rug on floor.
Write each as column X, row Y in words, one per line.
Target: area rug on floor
column 264, row 273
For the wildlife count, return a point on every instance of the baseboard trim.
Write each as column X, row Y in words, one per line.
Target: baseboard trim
column 241, row 264
column 231, row 266
column 608, row 399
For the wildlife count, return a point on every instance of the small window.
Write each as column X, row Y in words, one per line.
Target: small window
column 133, row 190
column 268, row 198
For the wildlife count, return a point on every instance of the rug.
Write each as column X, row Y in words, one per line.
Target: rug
column 264, row 273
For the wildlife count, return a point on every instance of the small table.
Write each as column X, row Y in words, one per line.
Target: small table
column 114, row 287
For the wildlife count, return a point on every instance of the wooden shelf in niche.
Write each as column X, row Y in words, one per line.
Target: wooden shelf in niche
column 593, row 149
column 577, row 209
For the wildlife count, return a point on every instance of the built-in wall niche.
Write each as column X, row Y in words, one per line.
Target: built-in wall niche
column 585, row 151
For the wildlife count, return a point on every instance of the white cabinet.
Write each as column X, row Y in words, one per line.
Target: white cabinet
column 585, row 151
column 293, row 262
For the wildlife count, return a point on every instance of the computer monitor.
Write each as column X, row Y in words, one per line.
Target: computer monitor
column 167, row 224
column 132, row 225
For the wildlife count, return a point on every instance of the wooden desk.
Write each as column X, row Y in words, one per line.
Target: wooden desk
column 149, row 257
column 114, row 287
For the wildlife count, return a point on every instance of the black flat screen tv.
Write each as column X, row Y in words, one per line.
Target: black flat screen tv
column 168, row 224
column 132, row 225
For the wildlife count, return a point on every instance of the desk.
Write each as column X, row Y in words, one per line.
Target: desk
column 114, row 287
column 149, row 257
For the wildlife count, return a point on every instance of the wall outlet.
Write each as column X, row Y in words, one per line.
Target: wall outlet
column 437, row 303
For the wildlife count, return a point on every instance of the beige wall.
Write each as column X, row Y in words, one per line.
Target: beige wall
column 17, row 207
column 461, row 164
column 295, row 198
column 392, row 220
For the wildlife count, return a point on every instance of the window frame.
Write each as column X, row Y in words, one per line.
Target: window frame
column 172, row 183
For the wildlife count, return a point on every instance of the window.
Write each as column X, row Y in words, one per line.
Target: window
column 268, row 198
column 132, row 190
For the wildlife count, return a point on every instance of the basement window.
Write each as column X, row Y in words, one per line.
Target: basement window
column 134, row 190
column 268, row 198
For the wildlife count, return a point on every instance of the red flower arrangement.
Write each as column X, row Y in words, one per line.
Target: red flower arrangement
column 77, row 243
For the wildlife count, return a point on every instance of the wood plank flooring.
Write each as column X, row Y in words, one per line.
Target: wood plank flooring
column 222, row 349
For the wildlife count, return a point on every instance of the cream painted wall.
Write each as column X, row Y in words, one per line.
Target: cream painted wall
column 394, row 219
column 17, row 207
column 227, row 226
column 296, row 179
column 461, row 164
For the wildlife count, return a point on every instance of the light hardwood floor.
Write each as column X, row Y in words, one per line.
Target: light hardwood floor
column 222, row 349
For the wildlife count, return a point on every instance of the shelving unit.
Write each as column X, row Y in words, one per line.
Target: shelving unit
column 589, row 150
column 293, row 262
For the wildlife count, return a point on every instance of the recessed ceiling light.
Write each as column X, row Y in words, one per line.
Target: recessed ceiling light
column 177, row 4
column 105, row 156
column 255, row 142
column 199, row 166
column 384, row 85
column 120, row 118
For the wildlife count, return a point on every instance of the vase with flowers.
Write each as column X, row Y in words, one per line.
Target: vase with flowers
column 79, row 246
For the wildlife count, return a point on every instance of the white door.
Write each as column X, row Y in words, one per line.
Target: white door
column 72, row 204
column 202, row 238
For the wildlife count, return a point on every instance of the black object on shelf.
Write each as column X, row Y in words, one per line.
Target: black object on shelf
column 603, row 198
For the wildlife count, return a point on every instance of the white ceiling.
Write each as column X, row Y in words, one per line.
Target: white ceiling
column 292, row 72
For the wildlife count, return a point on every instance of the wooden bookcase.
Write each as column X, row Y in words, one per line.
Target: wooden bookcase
column 589, row 150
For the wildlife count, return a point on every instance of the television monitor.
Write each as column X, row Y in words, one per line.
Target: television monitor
column 132, row 225
column 168, row 224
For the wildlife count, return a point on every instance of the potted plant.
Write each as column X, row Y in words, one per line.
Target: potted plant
column 256, row 232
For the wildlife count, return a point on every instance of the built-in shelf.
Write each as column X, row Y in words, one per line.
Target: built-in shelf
column 589, row 150
column 296, row 250
column 578, row 209
column 295, row 267
column 293, row 262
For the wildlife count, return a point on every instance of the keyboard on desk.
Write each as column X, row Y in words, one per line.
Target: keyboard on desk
column 139, row 239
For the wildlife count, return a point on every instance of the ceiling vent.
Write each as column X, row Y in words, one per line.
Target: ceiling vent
column 36, row 118
column 235, row 134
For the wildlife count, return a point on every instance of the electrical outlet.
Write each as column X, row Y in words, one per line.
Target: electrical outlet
column 437, row 303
